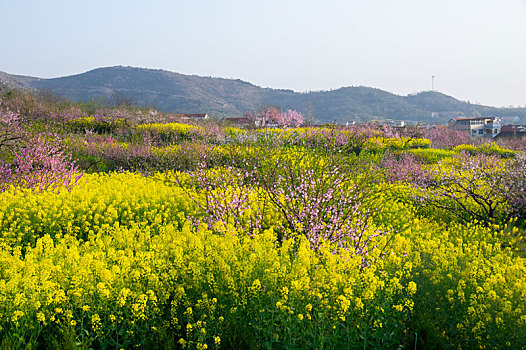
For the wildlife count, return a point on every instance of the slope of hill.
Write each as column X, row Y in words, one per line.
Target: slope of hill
column 16, row 81
column 174, row 92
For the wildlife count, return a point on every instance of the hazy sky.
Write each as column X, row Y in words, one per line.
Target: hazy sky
column 475, row 48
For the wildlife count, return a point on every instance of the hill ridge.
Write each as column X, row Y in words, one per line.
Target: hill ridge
column 182, row 93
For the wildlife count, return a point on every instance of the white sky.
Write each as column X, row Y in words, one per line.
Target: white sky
column 476, row 49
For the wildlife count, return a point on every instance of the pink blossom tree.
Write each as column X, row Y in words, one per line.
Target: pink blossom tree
column 267, row 115
column 291, row 118
column 483, row 188
column 515, row 186
column 10, row 130
column 404, row 167
column 320, row 201
column 443, row 137
column 41, row 164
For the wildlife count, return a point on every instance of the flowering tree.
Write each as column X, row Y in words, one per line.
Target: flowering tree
column 41, row 164
column 267, row 115
column 405, row 168
column 263, row 116
column 314, row 198
column 10, row 131
column 318, row 199
column 515, row 186
column 222, row 196
column 443, row 137
column 483, row 188
column 291, row 118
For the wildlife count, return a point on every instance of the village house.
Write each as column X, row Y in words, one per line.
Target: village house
column 262, row 123
column 477, row 126
column 240, row 121
column 511, row 130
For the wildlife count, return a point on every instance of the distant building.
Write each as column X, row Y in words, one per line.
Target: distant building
column 425, row 125
column 262, row 123
column 240, row 121
column 477, row 126
column 194, row 116
column 396, row 123
column 510, row 130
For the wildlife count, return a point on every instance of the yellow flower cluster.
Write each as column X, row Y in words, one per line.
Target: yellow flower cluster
column 169, row 130
column 117, row 253
column 91, row 208
column 376, row 144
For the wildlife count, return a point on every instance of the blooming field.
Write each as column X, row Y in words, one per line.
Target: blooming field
column 177, row 236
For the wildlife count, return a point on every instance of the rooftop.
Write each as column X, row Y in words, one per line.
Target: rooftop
column 473, row 118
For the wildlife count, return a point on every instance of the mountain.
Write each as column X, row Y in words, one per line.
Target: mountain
column 174, row 92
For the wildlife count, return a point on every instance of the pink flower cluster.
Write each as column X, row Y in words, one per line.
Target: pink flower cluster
column 222, row 197
column 41, row 165
column 443, row 137
column 404, row 167
column 272, row 115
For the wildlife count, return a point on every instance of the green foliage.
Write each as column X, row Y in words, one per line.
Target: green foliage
column 91, row 124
